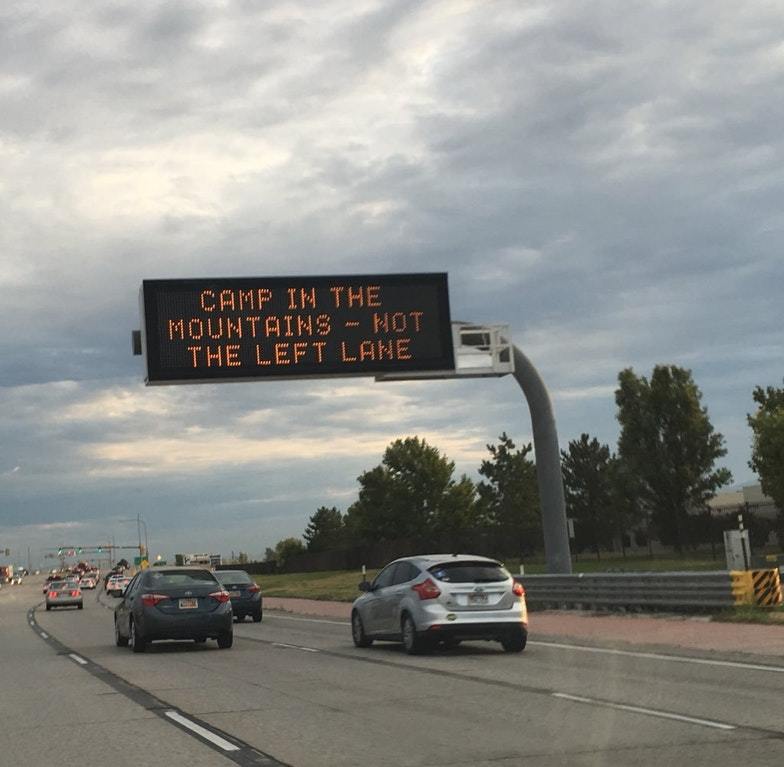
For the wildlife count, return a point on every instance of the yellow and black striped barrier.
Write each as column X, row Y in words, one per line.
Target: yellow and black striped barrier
column 756, row 587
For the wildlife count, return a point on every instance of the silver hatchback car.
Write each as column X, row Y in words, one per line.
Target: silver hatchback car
column 441, row 598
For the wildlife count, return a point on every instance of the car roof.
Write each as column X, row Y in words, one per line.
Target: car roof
column 428, row 560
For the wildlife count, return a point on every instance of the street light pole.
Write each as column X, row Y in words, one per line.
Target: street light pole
column 146, row 539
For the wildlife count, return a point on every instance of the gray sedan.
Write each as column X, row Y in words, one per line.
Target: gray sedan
column 441, row 598
column 64, row 594
column 173, row 603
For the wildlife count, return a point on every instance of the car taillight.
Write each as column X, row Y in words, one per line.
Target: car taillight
column 220, row 596
column 52, row 594
column 254, row 588
column 76, row 593
column 518, row 589
column 427, row 589
column 150, row 600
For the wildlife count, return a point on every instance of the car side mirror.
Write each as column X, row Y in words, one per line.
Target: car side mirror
column 366, row 586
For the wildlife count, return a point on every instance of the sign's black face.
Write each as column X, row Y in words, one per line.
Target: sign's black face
column 244, row 328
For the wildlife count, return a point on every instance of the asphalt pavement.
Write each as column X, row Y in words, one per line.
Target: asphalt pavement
column 293, row 690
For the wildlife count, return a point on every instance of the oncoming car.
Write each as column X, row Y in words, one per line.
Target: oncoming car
column 63, row 594
column 173, row 603
column 425, row 600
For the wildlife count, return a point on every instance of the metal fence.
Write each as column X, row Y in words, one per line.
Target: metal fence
column 666, row 590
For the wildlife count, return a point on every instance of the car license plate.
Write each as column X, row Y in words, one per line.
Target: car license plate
column 477, row 599
column 234, row 594
column 189, row 604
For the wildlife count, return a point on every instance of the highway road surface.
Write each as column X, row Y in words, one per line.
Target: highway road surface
column 294, row 691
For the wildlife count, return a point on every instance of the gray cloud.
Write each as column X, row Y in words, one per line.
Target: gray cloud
column 605, row 179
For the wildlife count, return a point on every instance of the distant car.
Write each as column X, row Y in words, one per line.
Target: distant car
column 431, row 599
column 16, row 579
column 87, row 582
column 173, row 603
column 244, row 592
column 63, row 594
column 117, row 584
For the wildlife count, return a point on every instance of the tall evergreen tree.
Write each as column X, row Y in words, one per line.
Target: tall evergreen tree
column 587, row 468
column 325, row 529
column 509, row 498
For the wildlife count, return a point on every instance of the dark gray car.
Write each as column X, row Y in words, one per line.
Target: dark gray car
column 173, row 603
column 244, row 592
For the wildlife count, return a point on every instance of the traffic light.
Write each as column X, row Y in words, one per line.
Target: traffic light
column 79, row 550
column 100, row 549
column 59, row 552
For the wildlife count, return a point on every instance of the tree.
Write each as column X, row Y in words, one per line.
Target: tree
column 242, row 558
column 767, row 454
column 588, row 486
column 287, row 548
column 627, row 508
column 269, row 554
column 509, row 499
column 325, row 529
column 412, row 493
column 179, row 560
column 670, row 446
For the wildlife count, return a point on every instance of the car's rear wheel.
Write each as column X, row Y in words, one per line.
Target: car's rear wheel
column 412, row 641
column 48, row 607
column 257, row 617
column 226, row 640
column 80, row 606
column 514, row 641
column 119, row 639
column 361, row 639
column 135, row 640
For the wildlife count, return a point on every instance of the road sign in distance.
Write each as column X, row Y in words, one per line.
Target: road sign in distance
column 233, row 329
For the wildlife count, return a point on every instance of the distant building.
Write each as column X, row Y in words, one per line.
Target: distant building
column 750, row 498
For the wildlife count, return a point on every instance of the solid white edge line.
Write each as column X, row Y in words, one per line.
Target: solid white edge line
column 646, row 711
column 586, row 648
column 44, row 635
column 80, row 661
column 306, row 620
column 659, row 656
column 294, row 647
column 203, row 731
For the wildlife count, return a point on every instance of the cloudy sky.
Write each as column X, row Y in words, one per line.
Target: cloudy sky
column 604, row 177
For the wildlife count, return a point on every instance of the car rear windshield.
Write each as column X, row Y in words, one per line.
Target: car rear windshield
column 58, row 585
column 174, row 578
column 233, row 576
column 469, row 572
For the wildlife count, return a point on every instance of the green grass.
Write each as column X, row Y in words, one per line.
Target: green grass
column 341, row 585
column 751, row 614
column 337, row 585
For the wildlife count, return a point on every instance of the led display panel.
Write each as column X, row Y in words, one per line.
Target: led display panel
column 231, row 329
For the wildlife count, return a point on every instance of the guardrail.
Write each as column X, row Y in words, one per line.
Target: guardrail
column 665, row 590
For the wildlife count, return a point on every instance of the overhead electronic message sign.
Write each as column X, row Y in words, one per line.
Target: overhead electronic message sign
column 231, row 329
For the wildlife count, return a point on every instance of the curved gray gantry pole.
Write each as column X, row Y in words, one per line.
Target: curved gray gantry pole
column 548, row 465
